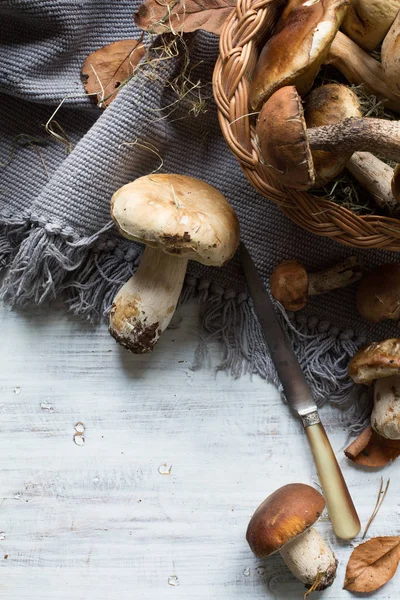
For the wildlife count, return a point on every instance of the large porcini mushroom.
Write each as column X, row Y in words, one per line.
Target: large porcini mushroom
column 380, row 362
column 333, row 103
column 378, row 295
column 286, row 144
column 360, row 68
column 368, row 21
column 297, row 48
column 291, row 285
column 283, row 523
column 390, row 55
column 178, row 218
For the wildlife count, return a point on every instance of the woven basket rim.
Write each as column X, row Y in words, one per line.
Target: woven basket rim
column 231, row 82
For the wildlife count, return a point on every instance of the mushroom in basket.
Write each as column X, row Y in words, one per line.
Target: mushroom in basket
column 283, row 523
column 286, row 144
column 368, row 21
column 178, row 218
column 297, row 48
column 333, row 103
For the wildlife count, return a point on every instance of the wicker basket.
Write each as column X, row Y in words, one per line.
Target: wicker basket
column 233, row 71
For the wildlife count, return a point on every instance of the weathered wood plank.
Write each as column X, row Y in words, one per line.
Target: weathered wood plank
column 99, row 520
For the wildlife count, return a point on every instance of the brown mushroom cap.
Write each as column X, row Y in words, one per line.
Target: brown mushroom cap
column 368, row 21
column 378, row 360
column 282, row 136
column 289, row 284
column 179, row 215
column 378, row 295
column 326, row 105
column 297, row 48
column 284, row 515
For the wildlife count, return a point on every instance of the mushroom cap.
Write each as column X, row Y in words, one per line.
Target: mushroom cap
column 283, row 516
column 376, row 361
column 378, row 295
column 289, row 284
column 390, row 55
column 179, row 215
column 326, row 105
column 297, row 48
column 368, row 21
column 282, row 136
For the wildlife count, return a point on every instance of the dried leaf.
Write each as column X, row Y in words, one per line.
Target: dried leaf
column 372, row 450
column 372, row 564
column 183, row 15
column 105, row 71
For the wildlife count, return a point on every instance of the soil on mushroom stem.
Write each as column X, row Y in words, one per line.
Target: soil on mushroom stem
column 345, row 189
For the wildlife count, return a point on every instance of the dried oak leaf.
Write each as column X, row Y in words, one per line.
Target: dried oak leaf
column 372, row 564
column 107, row 69
column 183, row 16
column 372, row 450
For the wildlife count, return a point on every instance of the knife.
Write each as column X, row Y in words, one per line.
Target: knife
column 343, row 515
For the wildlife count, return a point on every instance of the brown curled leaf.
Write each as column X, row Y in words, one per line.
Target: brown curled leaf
column 372, row 450
column 372, row 564
column 183, row 16
column 106, row 70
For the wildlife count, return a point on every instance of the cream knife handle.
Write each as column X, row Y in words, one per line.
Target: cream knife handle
column 343, row 515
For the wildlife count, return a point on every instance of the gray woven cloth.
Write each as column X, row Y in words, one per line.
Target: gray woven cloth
column 55, row 232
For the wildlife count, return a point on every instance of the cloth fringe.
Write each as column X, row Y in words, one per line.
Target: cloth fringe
column 89, row 272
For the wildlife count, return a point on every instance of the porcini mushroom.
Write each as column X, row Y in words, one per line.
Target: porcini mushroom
column 380, row 363
column 333, row 103
column 368, row 21
column 286, row 144
column 297, row 48
column 178, row 218
column 360, row 68
column 283, row 523
column 390, row 55
column 378, row 295
column 291, row 285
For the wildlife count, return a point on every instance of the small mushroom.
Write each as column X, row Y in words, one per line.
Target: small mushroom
column 378, row 295
column 368, row 21
column 283, row 523
column 390, row 55
column 360, row 68
column 291, row 285
column 333, row 103
column 178, row 218
column 286, row 144
column 297, row 48
column 380, row 362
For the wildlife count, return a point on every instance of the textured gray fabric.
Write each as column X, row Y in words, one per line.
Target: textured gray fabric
column 54, row 207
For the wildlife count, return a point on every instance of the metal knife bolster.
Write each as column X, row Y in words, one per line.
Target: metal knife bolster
column 309, row 418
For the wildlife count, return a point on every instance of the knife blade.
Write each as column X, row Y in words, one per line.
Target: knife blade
column 343, row 515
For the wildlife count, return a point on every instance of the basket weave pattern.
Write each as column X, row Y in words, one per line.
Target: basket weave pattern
column 232, row 75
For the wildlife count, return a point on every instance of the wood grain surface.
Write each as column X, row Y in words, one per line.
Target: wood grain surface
column 134, row 477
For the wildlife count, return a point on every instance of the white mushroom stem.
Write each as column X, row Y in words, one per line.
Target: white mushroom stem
column 307, row 556
column 360, row 68
column 385, row 417
column 144, row 306
column 376, row 177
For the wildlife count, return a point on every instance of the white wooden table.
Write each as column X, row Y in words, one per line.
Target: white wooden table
column 153, row 501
